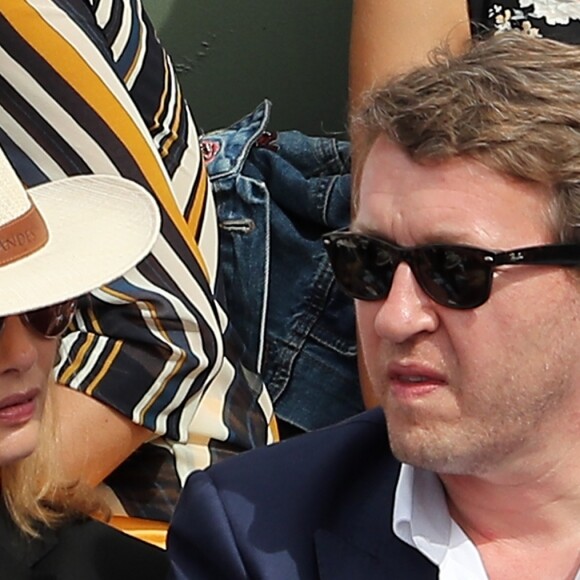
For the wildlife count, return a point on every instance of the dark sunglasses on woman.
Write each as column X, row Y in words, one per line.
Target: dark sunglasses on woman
column 455, row 276
column 50, row 321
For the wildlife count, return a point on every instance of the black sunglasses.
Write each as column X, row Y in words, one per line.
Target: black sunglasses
column 50, row 321
column 454, row 276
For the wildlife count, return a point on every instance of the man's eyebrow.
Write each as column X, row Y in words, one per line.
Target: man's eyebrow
column 456, row 238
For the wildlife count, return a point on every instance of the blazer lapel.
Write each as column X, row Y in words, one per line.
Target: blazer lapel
column 357, row 540
column 339, row 559
column 20, row 553
column 17, row 564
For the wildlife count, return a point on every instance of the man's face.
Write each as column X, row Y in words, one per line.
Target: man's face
column 468, row 391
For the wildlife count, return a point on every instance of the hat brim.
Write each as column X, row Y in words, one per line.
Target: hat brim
column 99, row 227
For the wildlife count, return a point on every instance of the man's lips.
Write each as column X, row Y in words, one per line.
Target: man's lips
column 413, row 380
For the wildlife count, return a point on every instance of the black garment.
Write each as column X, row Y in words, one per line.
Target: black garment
column 79, row 550
column 492, row 15
column 314, row 507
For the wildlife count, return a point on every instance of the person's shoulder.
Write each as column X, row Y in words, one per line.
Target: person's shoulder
column 94, row 550
column 271, row 501
column 350, row 445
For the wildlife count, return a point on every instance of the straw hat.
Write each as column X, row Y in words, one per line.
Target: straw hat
column 62, row 239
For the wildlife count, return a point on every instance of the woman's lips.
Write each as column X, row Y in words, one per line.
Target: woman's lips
column 19, row 408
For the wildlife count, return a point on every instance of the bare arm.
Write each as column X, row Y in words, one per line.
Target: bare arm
column 389, row 37
column 392, row 36
column 94, row 438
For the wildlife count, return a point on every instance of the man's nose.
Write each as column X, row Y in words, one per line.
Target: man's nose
column 407, row 311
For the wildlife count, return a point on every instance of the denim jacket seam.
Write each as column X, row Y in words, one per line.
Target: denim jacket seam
column 301, row 329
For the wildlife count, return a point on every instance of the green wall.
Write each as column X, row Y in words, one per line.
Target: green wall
column 231, row 54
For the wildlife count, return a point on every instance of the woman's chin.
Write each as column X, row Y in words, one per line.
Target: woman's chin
column 17, row 443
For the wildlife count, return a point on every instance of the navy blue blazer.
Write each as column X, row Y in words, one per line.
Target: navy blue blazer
column 315, row 507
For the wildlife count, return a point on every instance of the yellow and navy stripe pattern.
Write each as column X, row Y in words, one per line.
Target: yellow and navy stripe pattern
column 85, row 87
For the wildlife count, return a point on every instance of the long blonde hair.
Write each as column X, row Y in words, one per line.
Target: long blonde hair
column 33, row 490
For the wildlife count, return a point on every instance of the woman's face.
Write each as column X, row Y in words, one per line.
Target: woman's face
column 26, row 360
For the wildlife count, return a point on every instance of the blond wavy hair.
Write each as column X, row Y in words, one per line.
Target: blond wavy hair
column 33, row 490
column 511, row 102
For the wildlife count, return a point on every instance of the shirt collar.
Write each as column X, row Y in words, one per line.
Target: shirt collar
column 421, row 519
column 420, row 515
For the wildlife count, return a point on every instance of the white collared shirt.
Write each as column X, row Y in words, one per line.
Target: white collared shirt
column 421, row 519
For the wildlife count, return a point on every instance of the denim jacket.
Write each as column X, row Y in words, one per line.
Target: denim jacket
column 276, row 194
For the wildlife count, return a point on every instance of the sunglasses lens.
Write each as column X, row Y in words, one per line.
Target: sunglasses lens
column 363, row 269
column 51, row 321
column 456, row 277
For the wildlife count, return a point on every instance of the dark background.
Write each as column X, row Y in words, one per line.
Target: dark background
column 231, row 54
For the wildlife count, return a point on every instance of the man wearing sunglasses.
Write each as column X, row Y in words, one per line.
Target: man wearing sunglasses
column 462, row 257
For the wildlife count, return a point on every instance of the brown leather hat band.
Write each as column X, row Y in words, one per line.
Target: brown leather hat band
column 22, row 236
